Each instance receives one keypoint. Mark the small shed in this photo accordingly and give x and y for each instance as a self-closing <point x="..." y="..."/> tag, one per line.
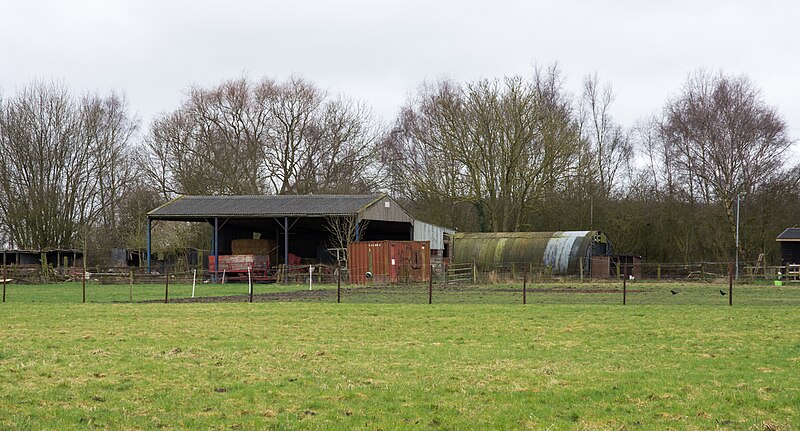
<point x="790" y="246"/>
<point x="617" y="266"/>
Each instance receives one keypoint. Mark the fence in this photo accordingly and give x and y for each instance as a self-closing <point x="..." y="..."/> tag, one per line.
<point x="659" y="284"/>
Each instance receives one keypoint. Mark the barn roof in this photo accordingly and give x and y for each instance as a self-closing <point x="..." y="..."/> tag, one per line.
<point x="790" y="234"/>
<point x="197" y="207"/>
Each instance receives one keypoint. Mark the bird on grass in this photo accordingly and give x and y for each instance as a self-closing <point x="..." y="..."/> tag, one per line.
<point x="722" y="292"/>
<point x="674" y="292"/>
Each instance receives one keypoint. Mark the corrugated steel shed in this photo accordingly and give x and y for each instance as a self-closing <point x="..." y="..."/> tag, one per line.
<point x="561" y="251"/>
<point x="430" y="232"/>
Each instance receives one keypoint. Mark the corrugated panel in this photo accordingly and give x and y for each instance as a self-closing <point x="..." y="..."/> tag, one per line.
<point x="430" y="232"/>
<point x="559" y="250"/>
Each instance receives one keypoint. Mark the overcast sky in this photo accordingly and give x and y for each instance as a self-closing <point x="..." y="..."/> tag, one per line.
<point x="380" y="51"/>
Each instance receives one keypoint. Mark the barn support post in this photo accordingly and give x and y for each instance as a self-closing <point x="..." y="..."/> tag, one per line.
<point x="216" y="249"/>
<point x="286" y="250"/>
<point x="149" y="242"/>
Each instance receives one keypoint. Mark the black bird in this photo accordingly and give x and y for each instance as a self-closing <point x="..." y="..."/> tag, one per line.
<point x="674" y="292"/>
<point x="722" y="292"/>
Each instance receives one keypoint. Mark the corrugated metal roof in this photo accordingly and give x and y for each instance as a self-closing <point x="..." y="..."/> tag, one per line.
<point x="263" y="206"/>
<point x="790" y="234"/>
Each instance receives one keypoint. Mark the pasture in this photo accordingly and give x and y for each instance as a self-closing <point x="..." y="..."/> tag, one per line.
<point x="566" y="360"/>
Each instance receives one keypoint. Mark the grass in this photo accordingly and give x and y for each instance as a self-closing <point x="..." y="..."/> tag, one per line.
<point x="290" y="365"/>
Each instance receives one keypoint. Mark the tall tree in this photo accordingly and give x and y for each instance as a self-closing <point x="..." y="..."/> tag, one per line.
<point x="500" y="146"/>
<point x="63" y="163"/>
<point x="721" y="139"/>
<point x="244" y="137"/>
<point x="610" y="146"/>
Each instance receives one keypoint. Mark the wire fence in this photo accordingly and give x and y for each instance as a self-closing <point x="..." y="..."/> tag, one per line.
<point x="708" y="283"/>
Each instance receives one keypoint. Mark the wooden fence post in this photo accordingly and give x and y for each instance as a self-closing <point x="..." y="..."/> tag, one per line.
<point x="730" y="284"/>
<point x="430" y="287"/>
<point x="166" y="285"/>
<point x="624" y="285"/>
<point x="524" y="288"/>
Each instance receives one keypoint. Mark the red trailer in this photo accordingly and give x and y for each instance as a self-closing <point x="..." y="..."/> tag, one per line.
<point x="235" y="266"/>
<point x="389" y="261"/>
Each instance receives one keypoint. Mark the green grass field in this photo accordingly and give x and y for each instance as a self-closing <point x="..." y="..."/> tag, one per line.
<point x="564" y="361"/>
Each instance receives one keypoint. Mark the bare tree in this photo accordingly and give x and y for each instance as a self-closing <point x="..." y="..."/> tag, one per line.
<point x="609" y="145"/>
<point x="213" y="144"/>
<point x="499" y="145"/>
<point x="344" y="230"/>
<point x="722" y="139"/>
<point x="63" y="163"/>
<point x="264" y="137"/>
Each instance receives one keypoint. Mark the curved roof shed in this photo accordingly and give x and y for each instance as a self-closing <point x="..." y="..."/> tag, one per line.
<point x="561" y="251"/>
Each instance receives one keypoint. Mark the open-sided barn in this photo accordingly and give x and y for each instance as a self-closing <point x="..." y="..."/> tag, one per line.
<point x="293" y="227"/>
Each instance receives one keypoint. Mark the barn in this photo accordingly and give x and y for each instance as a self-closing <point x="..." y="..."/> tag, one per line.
<point x="294" y="228"/>
<point x="562" y="253"/>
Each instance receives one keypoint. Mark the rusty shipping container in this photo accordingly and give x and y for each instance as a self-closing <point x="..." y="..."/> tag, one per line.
<point x="562" y="251"/>
<point x="389" y="261"/>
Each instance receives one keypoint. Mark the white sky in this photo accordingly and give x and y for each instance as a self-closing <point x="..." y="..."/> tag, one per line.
<point x="380" y="51"/>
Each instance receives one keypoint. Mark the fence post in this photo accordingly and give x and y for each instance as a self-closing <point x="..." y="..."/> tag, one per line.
<point x="658" y="272"/>
<point x="339" y="283"/>
<point x="474" y="272"/>
<point x="524" y="288"/>
<point x="250" y="283"/>
<point x="580" y="263"/>
<point x="624" y="285"/>
<point x="130" y="288"/>
<point x="430" y="287"/>
<point x="83" y="284"/>
<point x="5" y="276"/>
<point x="166" y="285"/>
<point x="730" y="284"/>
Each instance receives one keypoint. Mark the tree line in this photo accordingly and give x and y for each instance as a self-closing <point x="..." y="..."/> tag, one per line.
<point x="517" y="153"/>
